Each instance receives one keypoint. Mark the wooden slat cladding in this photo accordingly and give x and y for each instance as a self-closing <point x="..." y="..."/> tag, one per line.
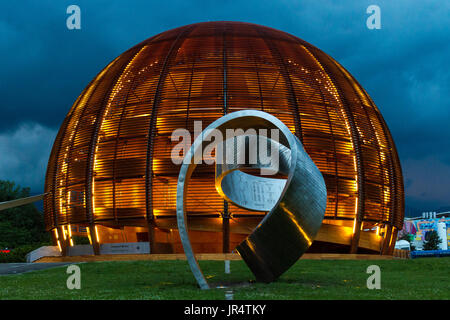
<point x="111" y="161"/>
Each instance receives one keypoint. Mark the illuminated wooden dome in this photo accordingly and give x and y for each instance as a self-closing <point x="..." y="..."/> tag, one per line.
<point x="110" y="170"/>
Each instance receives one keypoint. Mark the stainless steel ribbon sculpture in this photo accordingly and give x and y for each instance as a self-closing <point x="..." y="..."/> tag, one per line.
<point x="296" y="205"/>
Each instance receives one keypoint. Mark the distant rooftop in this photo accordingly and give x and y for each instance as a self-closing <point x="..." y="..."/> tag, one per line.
<point x="430" y="215"/>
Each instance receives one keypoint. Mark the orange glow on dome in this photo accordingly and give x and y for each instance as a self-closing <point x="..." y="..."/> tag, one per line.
<point x="113" y="148"/>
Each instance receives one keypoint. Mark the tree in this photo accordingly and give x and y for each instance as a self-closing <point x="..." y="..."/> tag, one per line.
<point x="408" y="237"/>
<point x="22" y="225"/>
<point x="432" y="240"/>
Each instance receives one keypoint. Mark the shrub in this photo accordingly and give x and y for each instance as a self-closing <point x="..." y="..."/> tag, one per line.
<point x="19" y="254"/>
<point x="80" y="240"/>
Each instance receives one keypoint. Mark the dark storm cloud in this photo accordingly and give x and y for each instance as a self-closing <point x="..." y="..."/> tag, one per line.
<point x="24" y="155"/>
<point x="45" y="65"/>
<point x="403" y="66"/>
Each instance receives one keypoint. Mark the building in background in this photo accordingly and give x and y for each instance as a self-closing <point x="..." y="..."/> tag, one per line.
<point x="110" y="169"/>
<point x="417" y="227"/>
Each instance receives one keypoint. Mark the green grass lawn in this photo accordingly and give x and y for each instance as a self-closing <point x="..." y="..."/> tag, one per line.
<point x="426" y="278"/>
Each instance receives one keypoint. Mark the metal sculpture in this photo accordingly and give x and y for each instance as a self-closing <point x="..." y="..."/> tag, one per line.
<point x="289" y="228"/>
